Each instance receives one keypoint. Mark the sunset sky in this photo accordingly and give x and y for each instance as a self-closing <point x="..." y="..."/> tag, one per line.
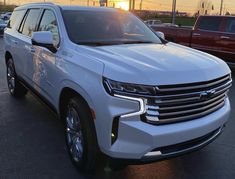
<point x="165" y="5"/>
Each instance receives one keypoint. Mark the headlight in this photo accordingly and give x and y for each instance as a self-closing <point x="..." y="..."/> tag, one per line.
<point x="114" y="87"/>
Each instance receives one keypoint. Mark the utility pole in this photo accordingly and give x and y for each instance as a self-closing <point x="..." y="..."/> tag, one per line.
<point x="133" y="4"/>
<point x="141" y="3"/>
<point x="130" y="5"/>
<point x="221" y="6"/>
<point x="173" y="11"/>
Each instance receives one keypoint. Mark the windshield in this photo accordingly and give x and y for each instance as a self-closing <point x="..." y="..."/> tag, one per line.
<point x="106" y="28"/>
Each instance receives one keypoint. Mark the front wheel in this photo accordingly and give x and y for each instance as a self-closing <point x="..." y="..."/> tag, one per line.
<point x="16" y="89"/>
<point x="80" y="135"/>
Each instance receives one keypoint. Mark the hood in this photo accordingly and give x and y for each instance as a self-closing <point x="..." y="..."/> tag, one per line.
<point x="158" y="64"/>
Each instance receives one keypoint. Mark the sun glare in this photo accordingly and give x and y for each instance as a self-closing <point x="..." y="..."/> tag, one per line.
<point x="122" y="5"/>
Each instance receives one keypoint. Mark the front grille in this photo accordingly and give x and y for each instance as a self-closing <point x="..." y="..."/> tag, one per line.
<point x="176" y="103"/>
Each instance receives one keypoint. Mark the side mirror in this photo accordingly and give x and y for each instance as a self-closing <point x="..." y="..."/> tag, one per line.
<point x="44" y="39"/>
<point x="160" y="34"/>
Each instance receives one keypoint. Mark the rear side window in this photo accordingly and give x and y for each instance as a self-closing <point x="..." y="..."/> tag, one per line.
<point x="16" y="17"/>
<point x="31" y="22"/>
<point x="210" y="23"/>
<point x="230" y="25"/>
<point x="49" y="23"/>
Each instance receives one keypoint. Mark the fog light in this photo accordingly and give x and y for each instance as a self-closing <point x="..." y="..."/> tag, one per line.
<point x="114" y="134"/>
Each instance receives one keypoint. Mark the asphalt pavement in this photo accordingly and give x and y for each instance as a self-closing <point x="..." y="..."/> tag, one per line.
<point x="32" y="145"/>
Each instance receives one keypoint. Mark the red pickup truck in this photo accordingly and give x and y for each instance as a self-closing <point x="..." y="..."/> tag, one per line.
<point x="212" y="34"/>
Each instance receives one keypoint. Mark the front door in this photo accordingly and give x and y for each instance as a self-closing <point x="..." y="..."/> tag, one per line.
<point x="206" y="36"/>
<point x="28" y="26"/>
<point x="227" y="41"/>
<point x="46" y="74"/>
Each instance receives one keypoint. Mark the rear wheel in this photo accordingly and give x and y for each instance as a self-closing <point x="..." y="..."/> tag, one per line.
<point x="80" y="135"/>
<point x="16" y="89"/>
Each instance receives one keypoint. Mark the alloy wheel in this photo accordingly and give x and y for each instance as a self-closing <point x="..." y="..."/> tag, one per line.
<point x="74" y="134"/>
<point x="11" y="78"/>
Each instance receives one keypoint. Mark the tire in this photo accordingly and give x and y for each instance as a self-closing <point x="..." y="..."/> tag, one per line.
<point x="16" y="89"/>
<point x="80" y="134"/>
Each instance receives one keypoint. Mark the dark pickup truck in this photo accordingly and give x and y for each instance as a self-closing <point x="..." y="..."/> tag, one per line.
<point x="212" y="34"/>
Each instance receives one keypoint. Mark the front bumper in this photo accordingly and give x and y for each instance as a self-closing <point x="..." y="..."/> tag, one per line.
<point x="182" y="148"/>
<point x="145" y="142"/>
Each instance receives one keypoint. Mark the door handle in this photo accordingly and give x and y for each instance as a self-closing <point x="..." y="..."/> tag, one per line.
<point x="41" y="69"/>
<point x="196" y="34"/>
<point x="14" y="42"/>
<point x="32" y="50"/>
<point x="224" y="37"/>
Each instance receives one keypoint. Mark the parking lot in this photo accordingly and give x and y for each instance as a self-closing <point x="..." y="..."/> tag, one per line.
<point x="32" y="145"/>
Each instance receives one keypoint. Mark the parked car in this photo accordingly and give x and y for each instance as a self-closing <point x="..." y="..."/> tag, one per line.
<point x="159" y="23"/>
<point x="2" y="26"/>
<point x="169" y="25"/>
<point x="120" y="89"/>
<point x="212" y="34"/>
<point x="6" y="21"/>
<point x="153" y="22"/>
<point x="6" y="16"/>
<point x="1" y="14"/>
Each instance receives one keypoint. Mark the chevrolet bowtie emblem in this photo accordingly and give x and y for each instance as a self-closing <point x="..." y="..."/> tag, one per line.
<point x="207" y="94"/>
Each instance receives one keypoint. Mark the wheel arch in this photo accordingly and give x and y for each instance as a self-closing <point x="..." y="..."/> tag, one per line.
<point x="7" y="56"/>
<point x="69" y="92"/>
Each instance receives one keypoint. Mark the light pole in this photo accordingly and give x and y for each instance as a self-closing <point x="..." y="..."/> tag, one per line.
<point x="173" y="11"/>
<point x="221" y="6"/>
<point x="141" y="3"/>
<point x="133" y="5"/>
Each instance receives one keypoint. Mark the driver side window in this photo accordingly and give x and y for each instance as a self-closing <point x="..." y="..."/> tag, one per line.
<point x="49" y="23"/>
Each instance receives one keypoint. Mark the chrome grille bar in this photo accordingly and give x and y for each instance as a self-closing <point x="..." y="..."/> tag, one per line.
<point x="227" y="77"/>
<point x="193" y="105"/>
<point x="189" y="102"/>
<point x="192" y="110"/>
<point x="183" y="118"/>
<point x="219" y="89"/>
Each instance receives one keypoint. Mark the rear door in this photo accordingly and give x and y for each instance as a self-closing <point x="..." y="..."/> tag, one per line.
<point x="11" y="40"/>
<point x="227" y="41"/>
<point x="207" y="33"/>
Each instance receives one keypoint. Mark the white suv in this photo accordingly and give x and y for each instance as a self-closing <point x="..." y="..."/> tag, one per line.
<point x="120" y="88"/>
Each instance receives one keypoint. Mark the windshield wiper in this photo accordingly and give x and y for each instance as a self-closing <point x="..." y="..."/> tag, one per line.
<point x="137" y="42"/>
<point x="102" y="43"/>
<point x="97" y="43"/>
